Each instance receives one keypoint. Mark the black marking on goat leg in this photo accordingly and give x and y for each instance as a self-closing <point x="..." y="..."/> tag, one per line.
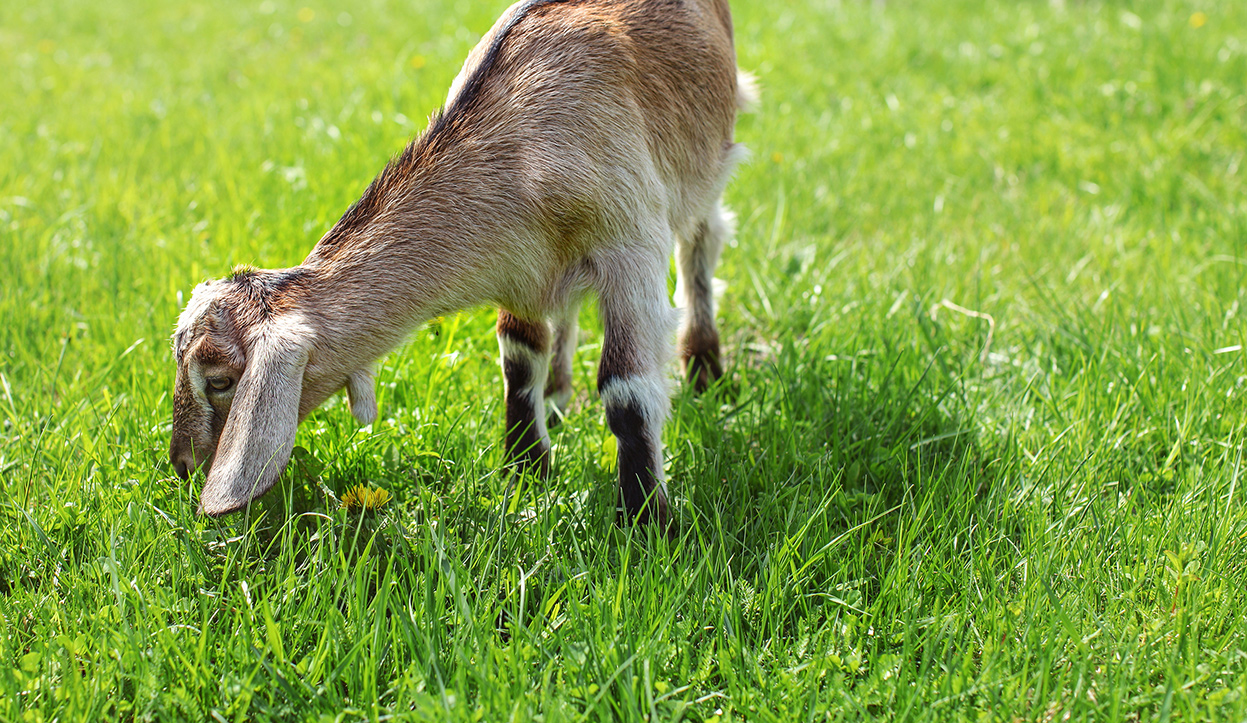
<point x="619" y="361"/>
<point x="640" y="495"/>
<point x="534" y="335"/>
<point x="524" y="445"/>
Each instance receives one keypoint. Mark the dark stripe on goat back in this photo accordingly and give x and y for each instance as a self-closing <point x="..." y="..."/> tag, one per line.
<point x="472" y="86"/>
<point x="401" y="166"/>
<point x="267" y="290"/>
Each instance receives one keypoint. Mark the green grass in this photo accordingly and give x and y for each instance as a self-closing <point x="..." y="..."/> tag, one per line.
<point x="893" y="509"/>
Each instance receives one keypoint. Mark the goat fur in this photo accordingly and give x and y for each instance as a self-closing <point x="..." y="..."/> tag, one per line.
<point x="582" y="140"/>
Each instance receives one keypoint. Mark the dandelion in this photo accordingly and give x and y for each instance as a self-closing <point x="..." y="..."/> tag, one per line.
<point x="306" y="15"/>
<point x="363" y="497"/>
<point x="1198" y="19"/>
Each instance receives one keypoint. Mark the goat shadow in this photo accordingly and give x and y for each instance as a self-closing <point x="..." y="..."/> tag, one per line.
<point x="839" y="440"/>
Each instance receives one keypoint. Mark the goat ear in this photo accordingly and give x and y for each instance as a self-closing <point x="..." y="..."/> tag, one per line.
<point x="363" y="395"/>
<point x="259" y="434"/>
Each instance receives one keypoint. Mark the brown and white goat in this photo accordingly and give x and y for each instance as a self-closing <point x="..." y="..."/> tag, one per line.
<point x="581" y="141"/>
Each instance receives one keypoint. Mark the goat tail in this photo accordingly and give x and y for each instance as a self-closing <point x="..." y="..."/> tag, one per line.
<point x="748" y="95"/>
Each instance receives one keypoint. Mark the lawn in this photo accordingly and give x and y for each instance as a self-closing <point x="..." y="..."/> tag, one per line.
<point x="978" y="455"/>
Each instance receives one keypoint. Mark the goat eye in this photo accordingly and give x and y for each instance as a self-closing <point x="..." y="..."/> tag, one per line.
<point x="219" y="384"/>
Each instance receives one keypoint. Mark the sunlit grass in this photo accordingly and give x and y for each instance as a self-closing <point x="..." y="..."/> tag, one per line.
<point x="978" y="457"/>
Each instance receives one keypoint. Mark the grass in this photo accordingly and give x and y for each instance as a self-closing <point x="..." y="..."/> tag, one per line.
<point x="978" y="457"/>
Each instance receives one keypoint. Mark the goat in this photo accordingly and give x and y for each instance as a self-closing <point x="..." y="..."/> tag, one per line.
<point x="580" y="142"/>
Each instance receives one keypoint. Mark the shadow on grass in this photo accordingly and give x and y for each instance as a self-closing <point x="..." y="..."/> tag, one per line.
<point x="818" y="477"/>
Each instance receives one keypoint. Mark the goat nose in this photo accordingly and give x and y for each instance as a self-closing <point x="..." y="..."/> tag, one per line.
<point x="182" y="469"/>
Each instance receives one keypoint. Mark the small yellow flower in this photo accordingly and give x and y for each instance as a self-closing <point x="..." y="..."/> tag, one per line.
<point x="365" y="497"/>
<point x="1198" y="19"/>
<point x="418" y="61"/>
<point x="306" y="15"/>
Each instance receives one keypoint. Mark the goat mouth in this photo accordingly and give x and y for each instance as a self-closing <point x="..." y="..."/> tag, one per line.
<point x="185" y="469"/>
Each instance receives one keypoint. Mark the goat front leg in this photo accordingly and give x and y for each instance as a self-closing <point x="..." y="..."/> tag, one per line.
<point x="559" y="383"/>
<point x="525" y="347"/>
<point x="639" y="325"/>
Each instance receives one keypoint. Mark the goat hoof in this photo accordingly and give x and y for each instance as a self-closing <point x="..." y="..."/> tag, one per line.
<point x="654" y="513"/>
<point x="536" y="463"/>
<point x="703" y="370"/>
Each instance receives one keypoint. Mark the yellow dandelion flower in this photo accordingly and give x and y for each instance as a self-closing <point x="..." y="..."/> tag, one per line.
<point x="418" y="61"/>
<point x="1198" y="19"/>
<point x="306" y="15"/>
<point x="363" y="497"/>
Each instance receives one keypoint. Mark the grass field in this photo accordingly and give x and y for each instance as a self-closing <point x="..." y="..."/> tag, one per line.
<point x="978" y="456"/>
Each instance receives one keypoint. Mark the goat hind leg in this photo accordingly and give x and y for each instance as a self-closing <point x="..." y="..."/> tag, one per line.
<point x="696" y="259"/>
